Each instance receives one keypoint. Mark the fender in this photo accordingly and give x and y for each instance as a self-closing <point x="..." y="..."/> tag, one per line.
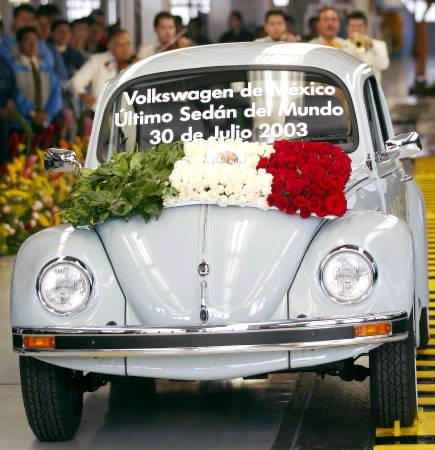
<point x="417" y="223"/>
<point x="107" y="303"/>
<point x="416" y="218"/>
<point x="387" y="238"/>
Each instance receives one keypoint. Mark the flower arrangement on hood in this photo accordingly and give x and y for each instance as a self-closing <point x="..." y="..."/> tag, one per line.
<point x="221" y="172"/>
<point x="292" y="176"/>
<point x="295" y="177"/>
<point x="308" y="177"/>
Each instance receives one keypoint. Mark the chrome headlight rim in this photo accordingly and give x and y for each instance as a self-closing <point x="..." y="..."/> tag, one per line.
<point x="65" y="260"/>
<point x="349" y="249"/>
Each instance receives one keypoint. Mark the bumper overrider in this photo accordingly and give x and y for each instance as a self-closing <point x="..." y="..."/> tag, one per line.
<point x="286" y="335"/>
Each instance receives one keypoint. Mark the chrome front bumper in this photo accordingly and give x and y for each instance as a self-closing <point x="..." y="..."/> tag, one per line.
<point x="237" y="338"/>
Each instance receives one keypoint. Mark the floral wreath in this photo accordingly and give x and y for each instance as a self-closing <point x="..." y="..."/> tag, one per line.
<point x="305" y="178"/>
<point x="295" y="177"/>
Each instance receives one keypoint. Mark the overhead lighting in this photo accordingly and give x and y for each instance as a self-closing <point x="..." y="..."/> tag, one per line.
<point x="280" y="3"/>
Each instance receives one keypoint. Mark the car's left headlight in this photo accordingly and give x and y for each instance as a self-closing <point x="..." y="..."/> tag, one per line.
<point x="64" y="285"/>
<point x="347" y="274"/>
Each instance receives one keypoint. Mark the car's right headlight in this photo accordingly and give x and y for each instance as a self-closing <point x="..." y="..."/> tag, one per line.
<point x="347" y="274"/>
<point x="64" y="285"/>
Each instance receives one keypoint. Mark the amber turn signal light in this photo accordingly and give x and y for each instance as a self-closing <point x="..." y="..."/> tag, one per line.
<point x="39" y="342"/>
<point x="373" y="329"/>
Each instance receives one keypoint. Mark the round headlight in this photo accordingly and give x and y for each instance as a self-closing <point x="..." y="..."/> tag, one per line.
<point x="64" y="286"/>
<point x="347" y="274"/>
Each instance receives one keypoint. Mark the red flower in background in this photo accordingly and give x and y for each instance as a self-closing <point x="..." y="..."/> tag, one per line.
<point x="308" y="177"/>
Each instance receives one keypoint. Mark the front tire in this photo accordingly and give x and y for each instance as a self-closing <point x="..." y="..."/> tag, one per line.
<point x="53" y="399"/>
<point x="393" y="388"/>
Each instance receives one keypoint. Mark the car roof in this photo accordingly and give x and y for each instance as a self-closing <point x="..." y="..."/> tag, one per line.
<point x="323" y="57"/>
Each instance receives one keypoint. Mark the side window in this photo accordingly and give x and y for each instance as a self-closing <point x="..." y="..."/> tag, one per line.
<point x="379" y="109"/>
<point x="378" y="128"/>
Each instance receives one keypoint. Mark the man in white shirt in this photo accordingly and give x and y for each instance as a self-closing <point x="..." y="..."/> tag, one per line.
<point x="166" y="33"/>
<point x="101" y="67"/>
<point x="328" y="27"/>
<point x="275" y="27"/>
<point x="372" y="51"/>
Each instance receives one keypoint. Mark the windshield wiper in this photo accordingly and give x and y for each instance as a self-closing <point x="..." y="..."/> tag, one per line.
<point x="123" y="142"/>
<point x="330" y="137"/>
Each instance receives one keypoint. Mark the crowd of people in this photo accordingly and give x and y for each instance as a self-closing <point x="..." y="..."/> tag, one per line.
<point x="52" y="70"/>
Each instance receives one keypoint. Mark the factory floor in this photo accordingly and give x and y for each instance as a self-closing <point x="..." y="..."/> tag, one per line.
<point x="286" y="411"/>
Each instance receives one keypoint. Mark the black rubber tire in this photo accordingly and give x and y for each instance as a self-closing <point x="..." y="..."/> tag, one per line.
<point x="53" y="399"/>
<point x="393" y="388"/>
<point x="424" y="328"/>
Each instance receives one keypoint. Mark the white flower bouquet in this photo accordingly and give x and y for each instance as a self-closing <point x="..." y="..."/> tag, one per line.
<point x="221" y="172"/>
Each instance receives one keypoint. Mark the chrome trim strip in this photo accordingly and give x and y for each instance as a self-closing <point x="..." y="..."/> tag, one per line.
<point x="300" y="324"/>
<point x="388" y="165"/>
<point x="212" y="350"/>
<point x="215" y="330"/>
<point x="407" y="177"/>
<point x="351" y="190"/>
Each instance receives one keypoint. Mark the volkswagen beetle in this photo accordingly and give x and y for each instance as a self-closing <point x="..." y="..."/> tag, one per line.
<point x="206" y="292"/>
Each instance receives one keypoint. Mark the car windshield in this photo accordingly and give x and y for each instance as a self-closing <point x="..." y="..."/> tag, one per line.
<point x="253" y="105"/>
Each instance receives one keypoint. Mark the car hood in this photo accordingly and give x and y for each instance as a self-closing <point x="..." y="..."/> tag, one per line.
<point x="252" y="257"/>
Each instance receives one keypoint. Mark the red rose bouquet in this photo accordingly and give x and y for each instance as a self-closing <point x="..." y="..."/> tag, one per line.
<point x="308" y="177"/>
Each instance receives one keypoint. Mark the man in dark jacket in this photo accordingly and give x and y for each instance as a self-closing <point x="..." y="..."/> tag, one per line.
<point x="7" y="93"/>
<point x="236" y="32"/>
<point x="61" y="35"/>
<point x="38" y="95"/>
<point x="24" y="15"/>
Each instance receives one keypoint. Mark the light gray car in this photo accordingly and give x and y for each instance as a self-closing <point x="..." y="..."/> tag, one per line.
<point x="209" y="293"/>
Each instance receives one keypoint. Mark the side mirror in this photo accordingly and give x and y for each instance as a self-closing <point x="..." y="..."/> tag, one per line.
<point x="60" y="160"/>
<point x="408" y="144"/>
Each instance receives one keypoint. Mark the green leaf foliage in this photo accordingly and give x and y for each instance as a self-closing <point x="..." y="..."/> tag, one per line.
<point x="126" y="185"/>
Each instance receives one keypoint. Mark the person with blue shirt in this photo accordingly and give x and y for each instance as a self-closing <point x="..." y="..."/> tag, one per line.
<point x="45" y="17"/>
<point x="61" y="37"/>
<point x="38" y="97"/>
<point x="71" y="60"/>
<point x="23" y="16"/>
<point x="7" y="94"/>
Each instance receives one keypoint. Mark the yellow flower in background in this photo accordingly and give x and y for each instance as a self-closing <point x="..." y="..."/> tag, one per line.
<point x="16" y="193"/>
<point x="57" y="219"/>
<point x="27" y="190"/>
<point x="43" y="221"/>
